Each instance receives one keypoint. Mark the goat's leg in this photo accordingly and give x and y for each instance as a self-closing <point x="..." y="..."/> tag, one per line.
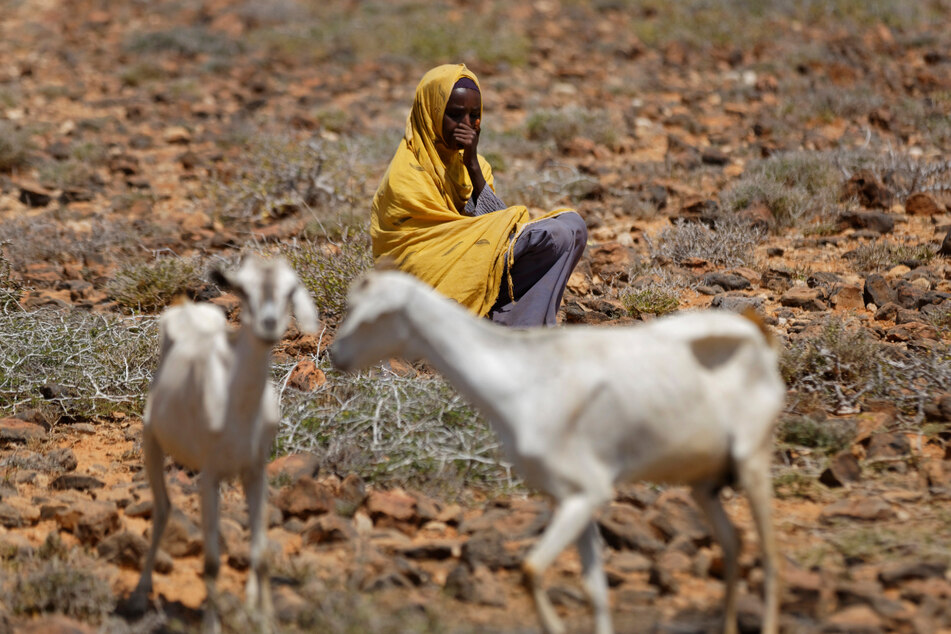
<point x="755" y="479"/>
<point x="708" y="498"/>
<point x="154" y="467"/>
<point x="258" y="589"/>
<point x="209" y="525"/>
<point x="595" y="581"/>
<point x="571" y="518"/>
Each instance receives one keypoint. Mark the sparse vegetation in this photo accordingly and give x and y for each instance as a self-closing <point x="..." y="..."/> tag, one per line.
<point x="74" y="365"/>
<point x="58" y="581"/>
<point x="882" y="255"/>
<point x="327" y="267"/>
<point x="729" y="243"/>
<point x="16" y="146"/>
<point x="386" y="428"/>
<point x="799" y="189"/>
<point x="653" y="299"/>
<point x="560" y="126"/>
<point x="151" y="286"/>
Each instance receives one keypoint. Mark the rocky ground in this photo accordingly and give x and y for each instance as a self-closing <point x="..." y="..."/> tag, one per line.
<point x="721" y="156"/>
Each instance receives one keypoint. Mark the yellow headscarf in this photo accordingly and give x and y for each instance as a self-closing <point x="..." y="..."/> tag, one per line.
<point x="416" y="219"/>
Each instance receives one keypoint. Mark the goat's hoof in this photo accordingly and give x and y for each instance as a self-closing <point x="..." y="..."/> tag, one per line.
<point x="133" y="606"/>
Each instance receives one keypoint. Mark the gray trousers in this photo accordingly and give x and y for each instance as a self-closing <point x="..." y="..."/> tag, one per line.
<point x="546" y="253"/>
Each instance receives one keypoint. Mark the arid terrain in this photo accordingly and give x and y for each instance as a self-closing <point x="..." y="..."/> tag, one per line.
<point x="786" y="156"/>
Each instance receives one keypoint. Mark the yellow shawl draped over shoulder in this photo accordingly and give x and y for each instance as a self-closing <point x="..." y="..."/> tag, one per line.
<point x="416" y="219"/>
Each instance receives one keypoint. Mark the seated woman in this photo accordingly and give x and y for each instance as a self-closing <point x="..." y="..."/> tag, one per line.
<point x="437" y="215"/>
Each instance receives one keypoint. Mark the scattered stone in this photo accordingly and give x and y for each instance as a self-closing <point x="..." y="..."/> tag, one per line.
<point x="675" y="514"/>
<point x="894" y="573"/>
<point x="304" y="498"/>
<point x="726" y="281"/>
<point x="863" y="509"/>
<point x="294" y="466"/>
<point x="182" y="536"/>
<point x="89" y="521"/>
<point x="177" y="135"/>
<point x="803" y="297"/>
<point x="736" y="303"/>
<point x="55" y="624"/>
<point x="922" y="204"/>
<point x="625" y="528"/>
<point x="123" y="549"/>
<point x="395" y="503"/>
<point x="870" y="192"/>
<point x="848" y="297"/>
<point x="306" y="376"/>
<point x="15" y="430"/>
<point x="76" y="482"/>
<point x="855" y="619"/>
<point x="843" y="469"/>
<point x="877" y="290"/>
<point x="875" y="221"/>
<point x="487" y="548"/>
<point x="328" y="529"/>
<point x="478" y="586"/>
<point x="888" y="445"/>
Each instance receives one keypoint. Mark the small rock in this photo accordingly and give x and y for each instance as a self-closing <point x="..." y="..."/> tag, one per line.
<point x="328" y="529"/>
<point x="123" y="549"/>
<point x="888" y="445"/>
<point x="294" y="466"/>
<point x="487" y="548"/>
<point x="894" y="573"/>
<point x="395" y="504"/>
<point x="865" y="509"/>
<point x="726" y="281"/>
<point x="89" y="521"/>
<point x="55" y="624"/>
<point x="849" y="297"/>
<point x="922" y="204"/>
<point x="478" y="586"/>
<point x="843" y="469"/>
<point x="305" y="497"/>
<point x="76" y="482"/>
<point x="306" y="376"/>
<point x="803" y="297"/>
<point x="625" y="528"/>
<point x="14" y="430"/>
<point x="856" y="619"/>
<point x="176" y="134"/>
<point x="877" y="290"/>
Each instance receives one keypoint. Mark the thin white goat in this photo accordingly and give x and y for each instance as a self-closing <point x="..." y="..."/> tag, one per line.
<point x="690" y="399"/>
<point x="212" y="409"/>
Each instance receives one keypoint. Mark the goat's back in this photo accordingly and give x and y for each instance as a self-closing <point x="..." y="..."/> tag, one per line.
<point x="188" y="394"/>
<point x="673" y="400"/>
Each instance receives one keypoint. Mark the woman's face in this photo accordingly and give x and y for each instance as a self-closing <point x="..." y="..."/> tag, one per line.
<point x="463" y="108"/>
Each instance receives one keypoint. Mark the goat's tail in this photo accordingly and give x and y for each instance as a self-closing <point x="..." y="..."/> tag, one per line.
<point x="754" y="316"/>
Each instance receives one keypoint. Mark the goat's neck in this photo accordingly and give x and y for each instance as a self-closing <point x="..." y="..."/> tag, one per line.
<point x="474" y="356"/>
<point x="250" y="368"/>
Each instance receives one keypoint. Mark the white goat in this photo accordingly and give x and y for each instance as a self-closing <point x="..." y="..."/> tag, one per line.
<point x="689" y="399"/>
<point x="212" y="409"/>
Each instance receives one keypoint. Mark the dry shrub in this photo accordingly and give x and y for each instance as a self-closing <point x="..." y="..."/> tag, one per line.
<point x="151" y="286"/>
<point x="730" y="242"/>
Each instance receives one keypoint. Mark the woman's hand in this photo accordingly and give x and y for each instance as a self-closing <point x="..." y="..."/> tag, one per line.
<point x="467" y="139"/>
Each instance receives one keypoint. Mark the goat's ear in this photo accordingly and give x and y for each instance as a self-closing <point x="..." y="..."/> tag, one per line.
<point x="304" y="310"/>
<point x="386" y="263"/>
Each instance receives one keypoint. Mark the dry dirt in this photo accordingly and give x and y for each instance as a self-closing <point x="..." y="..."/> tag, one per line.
<point x="688" y="119"/>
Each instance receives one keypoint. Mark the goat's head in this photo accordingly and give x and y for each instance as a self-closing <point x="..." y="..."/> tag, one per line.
<point x="269" y="291"/>
<point x="375" y="326"/>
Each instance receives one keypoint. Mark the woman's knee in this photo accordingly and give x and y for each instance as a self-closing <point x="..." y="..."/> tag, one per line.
<point x="568" y="232"/>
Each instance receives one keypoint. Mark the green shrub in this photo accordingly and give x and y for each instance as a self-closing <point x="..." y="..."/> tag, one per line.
<point x="152" y="286"/>
<point x="826" y="435"/>
<point x="653" y="299"/>
<point x="187" y="41"/>
<point x="327" y="267"/>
